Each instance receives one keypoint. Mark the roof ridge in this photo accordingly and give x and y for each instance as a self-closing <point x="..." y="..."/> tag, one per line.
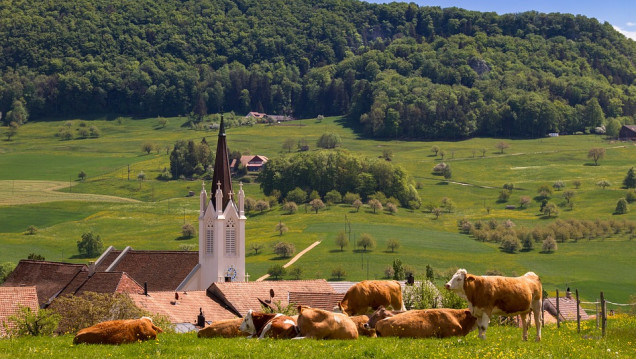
<point x="51" y="262"/>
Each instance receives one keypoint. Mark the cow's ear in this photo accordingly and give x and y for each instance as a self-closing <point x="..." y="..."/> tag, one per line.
<point x="300" y="309"/>
<point x="470" y="278"/>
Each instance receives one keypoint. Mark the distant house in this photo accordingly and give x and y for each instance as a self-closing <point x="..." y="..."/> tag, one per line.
<point x="256" y="115"/>
<point x="279" y="118"/>
<point x="253" y="163"/>
<point x="627" y="133"/>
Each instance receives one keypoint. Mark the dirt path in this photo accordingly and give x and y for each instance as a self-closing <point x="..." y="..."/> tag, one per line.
<point x="27" y="191"/>
<point x="293" y="260"/>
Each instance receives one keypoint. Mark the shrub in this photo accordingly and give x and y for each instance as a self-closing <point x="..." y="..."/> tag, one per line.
<point x="392" y="208"/>
<point x="290" y="207"/>
<point x="339" y="272"/>
<point x="621" y="206"/>
<point x="284" y="249"/>
<point x="333" y="196"/>
<point x="295" y="273"/>
<point x="349" y="197"/>
<point x="388" y="272"/>
<point x="630" y="196"/>
<point x="328" y="140"/>
<point x="187" y="230"/>
<point x="549" y="245"/>
<point x="31" y="230"/>
<point x="510" y="244"/>
<point x="297" y="195"/>
<point x="261" y="205"/>
<point x="186" y="247"/>
<point x="421" y="295"/>
<point x="26" y="322"/>
<point x="276" y="271"/>
<point x="439" y="169"/>
<point x="504" y="195"/>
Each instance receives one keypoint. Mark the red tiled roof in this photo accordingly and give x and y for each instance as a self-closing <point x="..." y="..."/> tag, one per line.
<point x="11" y="299"/>
<point x="108" y="260"/>
<point x="48" y="277"/>
<point x="243" y="296"/>
<point x="567" y="308"/>
<point x="342" y="286"/>
<point x="187" y="308"/>
<point x="326" y="301"/>
<point x="162" y="270"/>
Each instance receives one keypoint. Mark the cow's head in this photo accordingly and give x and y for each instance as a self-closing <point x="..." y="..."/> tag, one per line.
<point x="379" y="314"/>
<point x="247" y="326"/>
<point x="456" y="283"/>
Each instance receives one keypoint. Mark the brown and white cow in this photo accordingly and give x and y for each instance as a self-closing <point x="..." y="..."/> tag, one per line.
<point x="118" y="332"/>
<point x="269" y="325"/>
<point x="425" y="323"/>
<point x="496" y="295"/>
<point x="228" y="328"/>
<point x="360" y="321"/>
<point x="372" y="293"/>
<point x="321" y="324"/>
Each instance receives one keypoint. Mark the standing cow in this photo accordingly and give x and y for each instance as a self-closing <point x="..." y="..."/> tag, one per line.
<point x="118" y="332"/>
<point x="424" y="323"/>
<point x="488" y="295"/>
<point x="372" y="293"/>
<point x="321" y="324"/>
<point x="269" y="325"/>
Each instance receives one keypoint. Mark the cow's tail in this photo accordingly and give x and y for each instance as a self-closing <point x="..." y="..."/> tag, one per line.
<point x="403" y="308"/>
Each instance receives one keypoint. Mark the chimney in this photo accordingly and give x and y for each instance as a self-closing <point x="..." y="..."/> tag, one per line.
<point x="91" y="268"/>
<point x="200" y="319"/>
<point x="568" y="294"/>
<point x="146" y="289"/>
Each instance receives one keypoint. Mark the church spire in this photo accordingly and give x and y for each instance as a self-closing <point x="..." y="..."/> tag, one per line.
<point x="222" y="169"/>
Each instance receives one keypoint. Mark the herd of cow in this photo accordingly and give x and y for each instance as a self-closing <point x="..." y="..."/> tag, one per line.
<point x="486" y="296"/>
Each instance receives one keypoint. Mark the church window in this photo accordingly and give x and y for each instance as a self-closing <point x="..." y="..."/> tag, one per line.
<point x="209" y="240"/>
<point x="230" y="238"/>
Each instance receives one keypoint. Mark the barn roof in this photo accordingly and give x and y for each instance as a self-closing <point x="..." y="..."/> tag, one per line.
<point x="320" y="300"/>
<point x="243" y="296"/>
<point x="567" y="308"/>
<point x="48" y="277"/>
<point x="11" y="299"/>
<point x="186" y="308"/>
<point x="102" y="282"/>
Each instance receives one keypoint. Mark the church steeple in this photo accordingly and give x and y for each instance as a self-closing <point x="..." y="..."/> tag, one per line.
<point x="221" y="170"/>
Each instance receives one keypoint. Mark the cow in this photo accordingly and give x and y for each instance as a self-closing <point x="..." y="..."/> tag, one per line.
<point x="321" y="324"/>
<point x="424" y="323"/>
<point x="371" y="293"/>
<point x="269" y="325"/>
<point x="488" y="295"/>
<point x="228" y="328"/>
<point x="118" y="332"/>
<point x="360" y="321"/>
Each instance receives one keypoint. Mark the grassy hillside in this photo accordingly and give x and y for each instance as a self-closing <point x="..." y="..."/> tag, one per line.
<point x="163" y="207"/>
<point x="501" y="342"/>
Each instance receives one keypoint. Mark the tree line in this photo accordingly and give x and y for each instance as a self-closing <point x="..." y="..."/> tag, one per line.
<point x="395" y="70"/>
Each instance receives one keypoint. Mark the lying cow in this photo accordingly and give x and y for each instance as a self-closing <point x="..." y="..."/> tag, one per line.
<point x="118" y="332"/>
<point x="228" y="328"/>
<point x="488" y="295"/>
<point x="425" y="323"/>
<point x="269" y="325"/>
<point x="372" y="293"/>
<point x="360" y="321"/>
<point x="321" y="324"/>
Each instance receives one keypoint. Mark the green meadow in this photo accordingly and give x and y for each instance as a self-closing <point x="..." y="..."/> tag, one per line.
<point x="39" y="186"/>
<point x="501" y="342"/>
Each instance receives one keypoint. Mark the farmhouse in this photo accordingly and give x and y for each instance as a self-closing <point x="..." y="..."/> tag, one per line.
<point x="251" y="163"/>
<point x="627" y="133"/>
<point x="11" y="299"/>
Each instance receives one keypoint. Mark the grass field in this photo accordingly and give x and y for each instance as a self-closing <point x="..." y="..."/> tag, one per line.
<point x="501" y="342"/>
<point x="36" y="160"/>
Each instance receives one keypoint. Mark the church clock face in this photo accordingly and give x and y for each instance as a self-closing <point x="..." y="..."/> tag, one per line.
<point x="231" y="272"/>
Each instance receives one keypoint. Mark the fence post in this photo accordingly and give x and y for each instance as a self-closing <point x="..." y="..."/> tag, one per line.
<point x="578" y="315"/>
<point x="603" y="314"/>
<point x="597" y="312"/>
<point x="557" y="309"/>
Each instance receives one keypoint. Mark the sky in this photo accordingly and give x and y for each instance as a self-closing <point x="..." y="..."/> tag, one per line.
<point x="620" y="13"/>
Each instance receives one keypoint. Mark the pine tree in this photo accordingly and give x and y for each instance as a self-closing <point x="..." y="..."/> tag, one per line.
<point x="630" y="179"/>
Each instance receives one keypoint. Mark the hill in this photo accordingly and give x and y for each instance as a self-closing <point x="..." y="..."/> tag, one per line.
<point x="396" y="70"/>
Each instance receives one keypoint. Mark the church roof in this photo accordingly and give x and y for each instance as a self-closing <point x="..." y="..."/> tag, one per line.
<point x="48" y="277"/>
<point x="11" y="299"/>
<point x="186" y="308"/>
<point x="221" y="170"/>
<point x="243" y="296"/>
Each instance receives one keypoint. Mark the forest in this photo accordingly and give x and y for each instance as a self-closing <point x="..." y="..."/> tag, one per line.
<point x="393" y="70"/>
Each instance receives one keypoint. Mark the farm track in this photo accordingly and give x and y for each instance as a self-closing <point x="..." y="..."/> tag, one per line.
<point x="293" y="260"/>
<point x="29" y="192"/>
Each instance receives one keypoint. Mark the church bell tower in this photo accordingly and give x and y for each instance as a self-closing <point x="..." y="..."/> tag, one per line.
<point x="221" y="224"/>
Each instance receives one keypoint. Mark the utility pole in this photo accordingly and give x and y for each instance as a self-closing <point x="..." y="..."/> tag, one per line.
<point x="129" y="171"/>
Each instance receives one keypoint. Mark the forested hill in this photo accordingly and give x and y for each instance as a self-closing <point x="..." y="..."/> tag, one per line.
<point x="400" y="70"/>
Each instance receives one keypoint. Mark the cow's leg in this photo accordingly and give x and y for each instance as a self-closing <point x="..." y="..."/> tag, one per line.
<point x="536" y="310"/>
<point x="524" y="325"/>
<point x="266" y="329"/>
<point x="482" y="324"/>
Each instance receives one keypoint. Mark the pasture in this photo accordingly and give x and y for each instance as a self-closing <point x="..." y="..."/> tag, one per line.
<point x="149" y="214"/>
<point x="502" y="342"/>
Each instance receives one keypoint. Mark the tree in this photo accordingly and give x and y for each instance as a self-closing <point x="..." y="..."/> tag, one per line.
<point x="549" y="245"/>
<point x="576" y="184"/>
<point x="341" y="240"/>
<point x="510" y="244"/>
<point x="392" y="208"/>
<point x="483" y="152"/>
<point x="504" y="195"/>
<point x="387" y="154"/>
<point x="393" y="244"/>
<point x="509" y="186"/>
<point x="82" y="176"/>
<point x="316" y="204"/>
<point x="339" y="272"/>
<point x="284" y="249"/>
<point x="596" y="154"/>
<point x="319" y="118"/>
<point x="90" y="246"/>
<point x="281" y="228"/>
<point x="502" y="146"/>
<point x="398" y="269"/>
<point x="26" y="322"/>
<point x="333" y="196"/>
<point x="261" y="205"/>
<point x="289" y="144"/>
<point x="296" y="273"/>
<point x="5" y="269"/>
<point x="630" y="179"/>
<point x="31" y="230"/>
<point x="388" y="272"/>
<point x="36" y="257"/>
<point x="290" y="207"/>
<point x="187" y="230"/>
<point x="550" y="210"/>
<point x="366" y="241"/>
<point x="350" y="197"/>
<point x="11" y="131"/>
<point x="147" y="147"/>
<point x="18" y="113"/>
<point x="297" y="195"/>
<point x="435" y="150"/>
<point x="357" y="204"/>
<point x="329" y="140"/>
<point x="621" y="206"/>
<point x="140" y="177"/>
<point x="544" y="191"/>
<point x="437" y="212"/>
<point x="524" y="201"/>
<point x="375" y="205"/>
<point x="162" y="122"/>
<point x="612" y="128"/>
<point x="442" y="154"/>
<point x="603" y="183"/>
<point x="256" y="247"/>
<point x="568" y="195"/>
<point x="630" y="196"/>
<point x="276" y="271"/>
<point x="430" y="274"/>
<point x="558" y="185"/>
